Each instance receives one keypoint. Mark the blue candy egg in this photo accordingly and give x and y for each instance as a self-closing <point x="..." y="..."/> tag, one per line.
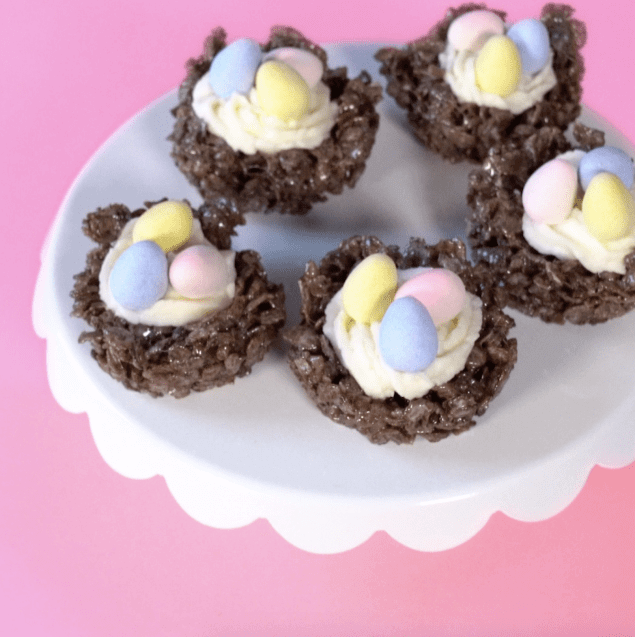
<point x="139" y="277"/>
<point x="234" y="68"/>
<point x="606" y="159"/>
<point x="532" y="41"/>
<point x="408" y="340"/>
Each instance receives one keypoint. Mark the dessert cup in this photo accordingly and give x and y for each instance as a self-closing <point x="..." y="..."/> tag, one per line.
<point x="167" y="360"/>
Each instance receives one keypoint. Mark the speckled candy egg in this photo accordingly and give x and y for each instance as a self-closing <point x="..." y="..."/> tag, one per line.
<point x="370" y="288"/>
<point x="168" y="224"/>
<point x="471" y="30"/>
<point x="606" y="159"/>
<point x="441" y="291"/>
<point x="408" y="340"/>
<point x="139" y="277"/>
<point x="532" y="40"/>
<point x="199" y="272"/>
<point x="498" y="68"/>
<point x="309" y="66"/>
<point x="608" y="208"/>
<point x="281" y="91"/>
<point x="549" y="193"/>
<point x="233" y="68"/>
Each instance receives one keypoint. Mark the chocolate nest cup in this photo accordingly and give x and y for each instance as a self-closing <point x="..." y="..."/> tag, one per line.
<point x="538" y="285"/>
<point x="209" y="352"/>
<point x="445" y="409"/>
<point x="289" y="181"/>
<point x="460" y="130"/>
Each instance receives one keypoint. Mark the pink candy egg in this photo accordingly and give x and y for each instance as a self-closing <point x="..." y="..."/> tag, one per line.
<point x="309" y="66"/>
<point x="198" y="272"/>
<point x="441" y="291"/>
<point x="549" y="194"/>
<point x="471" y="30"/>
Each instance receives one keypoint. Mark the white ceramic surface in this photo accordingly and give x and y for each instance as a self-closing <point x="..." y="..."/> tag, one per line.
<point x="259" y="449"/>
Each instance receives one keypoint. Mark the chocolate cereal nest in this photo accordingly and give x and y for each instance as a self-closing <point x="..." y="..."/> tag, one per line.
<point x="459" y="131"/>
<point x="448" y="408"/>
<point x="206" y="353"/>
<point x="289" y="181"/>
<point x="538" y="285"/>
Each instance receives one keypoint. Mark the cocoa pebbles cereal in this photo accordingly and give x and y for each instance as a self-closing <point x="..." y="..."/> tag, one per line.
<point x="338" y="285"/>
<point x="475" y="81"/>
<point x="203" y="315"/>
<point x="576" y="272"/>
<point x="271" y="127"/>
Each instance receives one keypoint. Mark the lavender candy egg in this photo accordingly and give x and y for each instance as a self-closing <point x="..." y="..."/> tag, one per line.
<point x="234" y="68"/>
<point x="309" y="66"/>
<point x="408" y="340"/>
<point x="199" y="272"/>
<point x="139" y="277"/>
<point x="532" y="41"/>
<point x="606" y="159"/>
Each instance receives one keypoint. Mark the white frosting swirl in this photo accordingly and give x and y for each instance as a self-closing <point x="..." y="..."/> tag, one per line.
<point x="570" y="239"/>
<point x="460" y="75"/>
<point x="172" y="309"/>
<point x="357" y="346"/>
<point x="241" y="122"/>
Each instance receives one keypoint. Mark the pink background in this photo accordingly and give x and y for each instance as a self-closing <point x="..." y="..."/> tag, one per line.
<point x="84" y="551"/>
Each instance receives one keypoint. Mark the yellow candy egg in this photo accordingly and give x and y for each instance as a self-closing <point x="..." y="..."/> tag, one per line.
<point x="282" y="91"/>
<point x="608" y="208"/>
<point x="370" y="288"/>
<point x="498" y="68"/>
<point x="168" y="223"/>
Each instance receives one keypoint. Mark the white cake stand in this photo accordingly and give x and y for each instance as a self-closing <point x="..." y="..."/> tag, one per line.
<point x="260" y="449"/>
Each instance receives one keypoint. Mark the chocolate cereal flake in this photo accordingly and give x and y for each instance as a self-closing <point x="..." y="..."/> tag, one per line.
<point x="445" y="409"/>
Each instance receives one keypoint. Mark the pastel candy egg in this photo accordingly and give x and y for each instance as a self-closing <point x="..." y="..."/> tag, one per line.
<point x="408" y="340"/>
<point x="370" y="288"/>
<point x="497" y="68"/>
<point x="471" y="30"/>
<point x="199" y="271"/>
<point x="532" y="40"/>
<point x="168" y="223"/>
<point x="608" y="208"/>
<point x="549" y="193"/>
<point x="441" y="292"/>
<point x="233" y="68"/>
<point x="606" y="159"/>
<point x="139" y="277"/>
<point x="309" y="66"/>
<point x="282" y="91"/>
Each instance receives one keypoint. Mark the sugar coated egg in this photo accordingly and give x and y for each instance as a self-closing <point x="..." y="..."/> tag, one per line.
<point x="309" y="66"/>
<point x="168" y="223"/>
<point x="139" y="277"/>
<point x="370" y="288"/>
<point x="497" y="67"/>
<point x="608" y="208"/>
<point x="549" y="194"/>
<point x="233" y="69"/>
<point x="282" y="91"/>
<point x="471" y="30"/>
<point x="532" y="40"/>
<point x="408" y="340"/>
<point x="606" y="159"/>
<point x="199" y="272"/>
<point x="441" y="291"/>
